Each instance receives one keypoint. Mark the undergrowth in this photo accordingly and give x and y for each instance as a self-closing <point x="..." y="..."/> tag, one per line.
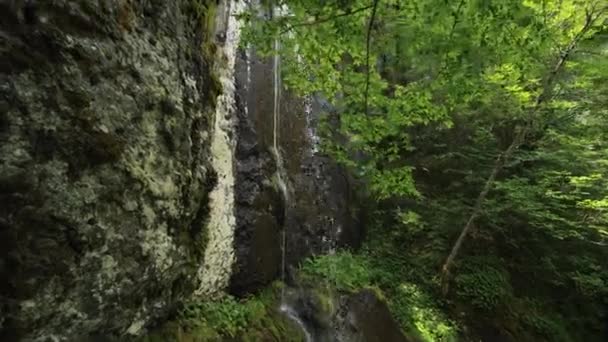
<point x="230" y="319"/>
<point x="228" y="316"/>
<point x="416" y="311"/>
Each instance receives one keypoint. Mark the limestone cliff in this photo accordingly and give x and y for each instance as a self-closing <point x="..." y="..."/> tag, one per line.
<point x="106" y="110"/>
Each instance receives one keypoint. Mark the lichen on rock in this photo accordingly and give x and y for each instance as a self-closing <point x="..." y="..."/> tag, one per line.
<point x="105" y="165"/>
<point x="216" y="269"/>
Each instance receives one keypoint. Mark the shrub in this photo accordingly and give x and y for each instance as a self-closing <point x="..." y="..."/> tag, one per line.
<point x="346" y="271"/>
<point x="227" y="316"/>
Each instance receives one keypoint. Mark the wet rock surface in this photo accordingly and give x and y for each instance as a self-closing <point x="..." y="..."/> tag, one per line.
<point x="321" y="213"/>
<point x="339" y="317"/>
<point x="365" y="318"/>
<point x="259" y="205"/>
<point x="105" y="108"/>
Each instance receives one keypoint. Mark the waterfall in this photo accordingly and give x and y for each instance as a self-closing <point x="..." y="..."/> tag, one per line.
<point x="280" y="173"/>
<point x="293" y="315"/>
<point x="248" y="69"/>
<point x="276" y="69"/>
<point x="310" y="123"/>
<point x="285" y="307"/>
<point x="219" y="256"/>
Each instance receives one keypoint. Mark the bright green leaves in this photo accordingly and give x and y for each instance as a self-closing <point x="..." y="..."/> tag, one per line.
<point x="510" y="78"/>
<point x="345" y="271"/>
<point x="451" y="83"/>
<point x="428" y="60"/>
<point x="563" y="203"/>
<point x="393" y="182"/>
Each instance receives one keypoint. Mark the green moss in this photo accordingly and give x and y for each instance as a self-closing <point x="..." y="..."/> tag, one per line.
<point x="215" y="89"/>
<point x="324" y="296"/>
<point x="87" y="144"/>
<point x="204" y="13"/>
<point x="173" y="331"/>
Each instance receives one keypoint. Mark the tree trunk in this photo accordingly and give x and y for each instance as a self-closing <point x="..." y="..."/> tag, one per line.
<point x="592" y="15"/>
<point x="498" y="164"/>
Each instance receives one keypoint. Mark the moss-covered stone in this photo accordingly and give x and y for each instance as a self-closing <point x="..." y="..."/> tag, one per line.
<point x="104" y="176"/>
<point x="204" y="13"/>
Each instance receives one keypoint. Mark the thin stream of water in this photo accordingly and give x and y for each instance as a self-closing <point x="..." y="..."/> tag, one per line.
<point x="276" y="69"/>
<point x="293" y="315"/>
<point x="285" y="307"/>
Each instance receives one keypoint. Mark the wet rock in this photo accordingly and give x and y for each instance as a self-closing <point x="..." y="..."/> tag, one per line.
<point x="322" y="212"/>
<point x="331" y="316"/>
<point x="367" y="319"/>
<point x="259" y="209"/>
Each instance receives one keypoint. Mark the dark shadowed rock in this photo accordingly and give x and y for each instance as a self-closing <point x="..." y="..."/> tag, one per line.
<point x="368" y="319"/>
<point x="330" y="316"/>
<point x="321" y="213"/>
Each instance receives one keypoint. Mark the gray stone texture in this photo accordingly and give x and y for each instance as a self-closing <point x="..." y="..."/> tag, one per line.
<point x="105" y="108"/>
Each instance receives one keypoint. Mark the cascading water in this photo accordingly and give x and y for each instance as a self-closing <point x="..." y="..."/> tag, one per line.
<point x="311" y="132"/>
<point x="293" y="315"/>
<point x="276" y="69"/>
<point x="285" y="307"/>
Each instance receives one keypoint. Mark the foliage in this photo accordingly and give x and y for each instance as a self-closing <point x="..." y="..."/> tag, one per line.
<point x="483" y="285"/>
<point x="250" y="319"/>
<point x="430" y="59"/>
<point x="451" y="86"/>
<point x="345" y="271"/>
<point x="416" y="310"/>
<point x="229" y="317"/>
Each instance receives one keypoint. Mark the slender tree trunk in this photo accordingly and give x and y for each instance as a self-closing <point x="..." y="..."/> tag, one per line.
<point x="370" y="27"/>
<point x="592" y="14"/>
<point x="498" y="165"/>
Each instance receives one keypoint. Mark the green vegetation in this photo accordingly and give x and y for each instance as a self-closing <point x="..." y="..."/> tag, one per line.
<point x="247" y="320"/>
<point x="344" y="271"/>
<point x="417" y="312"/>
<point x="204" y="14"/>
<point x="480" y="128"/>
<point x="228" y="317"/>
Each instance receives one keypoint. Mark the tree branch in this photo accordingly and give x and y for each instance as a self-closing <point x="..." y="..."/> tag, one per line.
<point x="324" y="20"/>
<point x="451" y="37"/>
<point x="367" y="68"/>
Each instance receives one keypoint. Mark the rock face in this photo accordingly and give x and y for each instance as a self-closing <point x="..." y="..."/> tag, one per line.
<point x="219" y="253"/>
<point x="341" y="317"/>
<point x="321" y="211"/>
<point x="129" y="183"/>
<point x="367" y="319"/>
<point x="105" y="116"/>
